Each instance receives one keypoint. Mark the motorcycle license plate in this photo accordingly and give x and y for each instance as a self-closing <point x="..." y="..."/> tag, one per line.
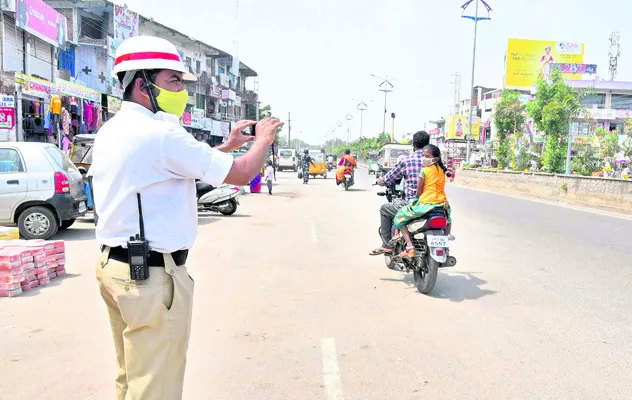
<point x="438" y="241"/>
<point x="83" y="207"/>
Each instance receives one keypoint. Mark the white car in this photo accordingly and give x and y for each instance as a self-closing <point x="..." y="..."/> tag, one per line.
<point x="41" y="190"/>
<point x="287" y="160"/>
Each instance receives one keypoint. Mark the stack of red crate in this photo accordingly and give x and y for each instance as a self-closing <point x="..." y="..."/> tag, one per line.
<point x="25" y="265"/>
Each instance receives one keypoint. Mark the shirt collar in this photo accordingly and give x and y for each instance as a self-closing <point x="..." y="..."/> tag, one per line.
<point x="130" y="106"/>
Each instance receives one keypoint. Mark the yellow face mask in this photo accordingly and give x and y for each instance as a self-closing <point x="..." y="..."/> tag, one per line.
<point x="172" y="102"/>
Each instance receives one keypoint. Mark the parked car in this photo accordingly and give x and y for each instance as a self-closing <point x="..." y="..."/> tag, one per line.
<point x="41" y="190"/>
<point x="287" y="160"/>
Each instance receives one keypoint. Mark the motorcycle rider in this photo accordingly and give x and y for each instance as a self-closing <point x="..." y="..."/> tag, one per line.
<point x="409" y="169"/>
<point x="347" y="163"/>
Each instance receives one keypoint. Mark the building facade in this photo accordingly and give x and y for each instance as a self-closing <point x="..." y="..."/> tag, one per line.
<point x="74" y="62"/>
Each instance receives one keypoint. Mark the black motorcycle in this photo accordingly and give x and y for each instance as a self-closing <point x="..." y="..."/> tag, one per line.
<point x="431" y="242"/>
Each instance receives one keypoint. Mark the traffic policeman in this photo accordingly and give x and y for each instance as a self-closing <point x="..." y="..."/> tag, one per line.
<point x="144" y="160"/>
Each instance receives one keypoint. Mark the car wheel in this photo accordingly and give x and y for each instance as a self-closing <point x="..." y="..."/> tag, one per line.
<point x="66" y="224"/>
<point x="38" y="223"/>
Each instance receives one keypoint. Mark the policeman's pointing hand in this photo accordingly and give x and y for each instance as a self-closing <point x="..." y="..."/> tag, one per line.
<point x="267" y="129"/>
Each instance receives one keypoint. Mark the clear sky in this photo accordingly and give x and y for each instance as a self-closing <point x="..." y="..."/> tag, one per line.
<point x="314" y="57"/>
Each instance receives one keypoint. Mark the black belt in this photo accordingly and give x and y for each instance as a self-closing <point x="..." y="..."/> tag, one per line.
<point x="155" y="259"/>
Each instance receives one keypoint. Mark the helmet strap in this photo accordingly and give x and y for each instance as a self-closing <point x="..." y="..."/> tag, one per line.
<point x="148" y="84"/>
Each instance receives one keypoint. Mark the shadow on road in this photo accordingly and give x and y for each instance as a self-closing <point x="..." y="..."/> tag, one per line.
<point x="76" y="235"/>
<point x="456" y="287"/>
<point x="460" y="286"/>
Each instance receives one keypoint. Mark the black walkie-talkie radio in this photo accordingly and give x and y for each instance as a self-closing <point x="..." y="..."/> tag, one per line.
<point x="138" y="250"/>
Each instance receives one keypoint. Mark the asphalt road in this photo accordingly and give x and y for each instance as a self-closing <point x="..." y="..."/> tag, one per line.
<point x="289" y="305"/>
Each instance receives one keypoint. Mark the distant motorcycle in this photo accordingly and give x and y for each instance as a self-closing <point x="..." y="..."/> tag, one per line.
<point x="221" y="199"/>
<point x="431" y="245"/>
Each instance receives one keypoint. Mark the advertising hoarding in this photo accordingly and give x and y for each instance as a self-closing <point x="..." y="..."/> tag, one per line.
<point x="458" y="127"/>
<point x="41" y="20"/>
<point x="529" y="59"/>
<point x="125" y="23"/>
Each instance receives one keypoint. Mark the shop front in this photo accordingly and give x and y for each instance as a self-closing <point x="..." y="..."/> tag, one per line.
<point x="32" y="102"/>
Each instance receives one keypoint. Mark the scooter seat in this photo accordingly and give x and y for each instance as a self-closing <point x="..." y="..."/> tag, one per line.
<point x="203" y="188"/>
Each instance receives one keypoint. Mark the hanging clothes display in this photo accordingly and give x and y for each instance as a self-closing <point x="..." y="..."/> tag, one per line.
<point x="74" y="106"/>
<point x="65" y="122"/>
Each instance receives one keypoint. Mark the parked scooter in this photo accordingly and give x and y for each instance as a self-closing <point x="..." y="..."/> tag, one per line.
<point x="221" y="199"/>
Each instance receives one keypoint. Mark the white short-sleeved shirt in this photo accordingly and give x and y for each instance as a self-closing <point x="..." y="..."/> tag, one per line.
<point x="138" y="151"/>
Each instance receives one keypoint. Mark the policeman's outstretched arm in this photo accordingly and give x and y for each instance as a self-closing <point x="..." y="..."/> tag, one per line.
<point x="236" y="139"/>
<point x="249" y="165"/>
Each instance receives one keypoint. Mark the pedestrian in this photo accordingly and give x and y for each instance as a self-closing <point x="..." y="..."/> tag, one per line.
<point x="149" y="303"/>
<point x="307" y="161"/>
<point x="270" y="176"/>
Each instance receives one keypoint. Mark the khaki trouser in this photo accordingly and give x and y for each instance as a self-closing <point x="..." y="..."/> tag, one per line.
<point x="151" y="323"/>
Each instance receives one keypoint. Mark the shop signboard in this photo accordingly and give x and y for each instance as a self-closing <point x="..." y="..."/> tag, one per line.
<point x="197" y="112"/>
<point x="224" y="80"/>
<point x="207" y="124"/>
<point x="74" y="90"/>
<point x="41" y="20"/>
<point x="34" y="86"/>
<point x="7" y="101"/>
<point x="114" y="104"/>
<point x="216" y="128"/>
<point x="118" y="92"/>
<point x="434" y="132"/>
<point x="232" y="95"/>
<point x="113" y="44"/>
<point x="225" y="94"/>
<point x="590" y="69"/>
<point x="216" y="92"/>
<point x="238" y="101"/>
<point x="186" y="119"/>
<point x="125" y="23"/>
<point x="459" y="126"/>
<point x="598" y="113"/>
<point x="225" y="128"/>
<point x="529" y="59"/>
<point x="7" y="113"/>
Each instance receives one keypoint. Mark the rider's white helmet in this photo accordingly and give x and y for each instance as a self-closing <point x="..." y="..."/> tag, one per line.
<point x="148" y="52"/>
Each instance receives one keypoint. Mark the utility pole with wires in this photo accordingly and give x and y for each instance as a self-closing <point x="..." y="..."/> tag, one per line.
<point x="289" y="130"/>
<point x="386" y="86"/>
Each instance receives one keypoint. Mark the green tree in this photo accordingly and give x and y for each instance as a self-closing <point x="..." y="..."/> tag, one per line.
<point x="552" y="111"/>
<point x="265" y="111"/>
<point x="508" y="118"/>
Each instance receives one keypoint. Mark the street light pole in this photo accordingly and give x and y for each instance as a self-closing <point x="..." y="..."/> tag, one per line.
<point x="469" y="137"/>
<point x="348" y="117"/>
<point x="386" y="86"/>
<point x="362" y="106"/>
<point x="476" y="18"/>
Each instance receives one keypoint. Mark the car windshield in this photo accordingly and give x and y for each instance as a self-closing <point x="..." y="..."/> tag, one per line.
<point x="60" y="159"/>
<point x="396" y="153"/>
<point x="285" y="153"/>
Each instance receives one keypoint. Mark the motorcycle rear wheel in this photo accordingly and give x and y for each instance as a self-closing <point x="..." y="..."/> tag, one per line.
<point x="426" y="275"/>
<point x="231" y="209"/>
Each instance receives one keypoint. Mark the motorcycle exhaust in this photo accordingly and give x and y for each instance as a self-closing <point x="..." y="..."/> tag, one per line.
<point x="451" y="262"/>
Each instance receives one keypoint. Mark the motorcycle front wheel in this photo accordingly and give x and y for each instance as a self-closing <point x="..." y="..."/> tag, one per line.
<point x="425" y="275"/>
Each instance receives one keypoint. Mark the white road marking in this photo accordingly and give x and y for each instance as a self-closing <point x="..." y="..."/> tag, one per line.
<point x="331" y="372"/>
<point x="585" y="209"/>
<point x="312" y="231"/>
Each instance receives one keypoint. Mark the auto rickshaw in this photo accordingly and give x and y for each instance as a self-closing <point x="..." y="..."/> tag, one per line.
<point x="320" y="164"/>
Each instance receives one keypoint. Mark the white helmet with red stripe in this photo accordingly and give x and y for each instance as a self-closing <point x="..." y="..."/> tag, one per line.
<point x="147" y="53"/>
